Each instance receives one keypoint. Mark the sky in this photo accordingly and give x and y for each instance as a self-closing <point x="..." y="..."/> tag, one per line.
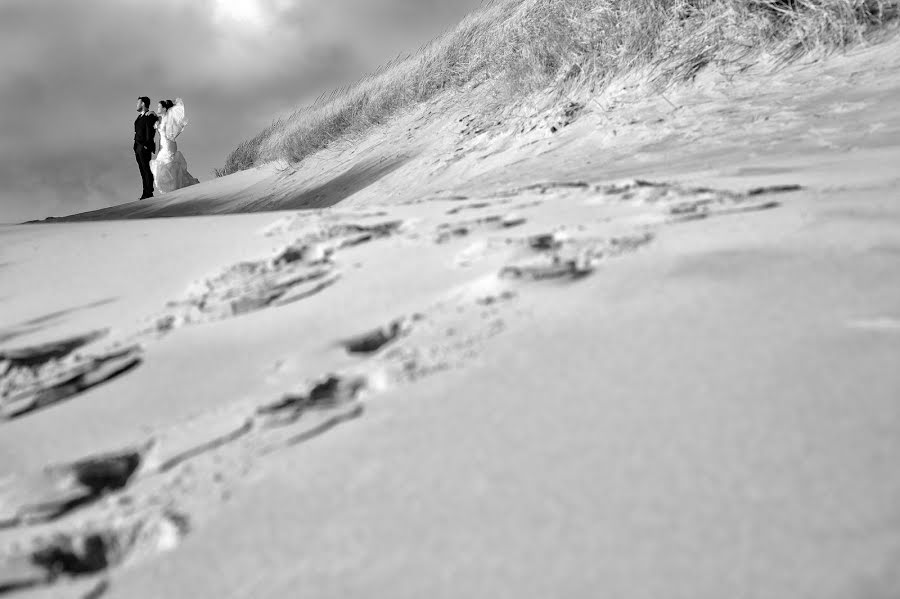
<point x="71" y="72"/>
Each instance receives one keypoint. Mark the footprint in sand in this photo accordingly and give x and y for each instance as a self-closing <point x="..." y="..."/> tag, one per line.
<point x="371" y="341"/>
<point x="722" y="203"/>
<point x="447" y="335"/>
<point x="297" y="271"/>
<point x="91" y="551"/>
<point x="448" y="231"/>
<point x="666" y="204"/>
<point x="36" y="377"/>
<point x="57" y="490"/>
<point x="679" y="204"/>
<point x="562" y="257"/>
<point x="316" y="408"/>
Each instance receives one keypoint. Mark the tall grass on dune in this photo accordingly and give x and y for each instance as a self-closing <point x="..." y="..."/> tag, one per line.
<point x="518" y="47"/>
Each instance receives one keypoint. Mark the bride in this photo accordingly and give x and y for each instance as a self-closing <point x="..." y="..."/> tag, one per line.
<point x="170" y="168"/>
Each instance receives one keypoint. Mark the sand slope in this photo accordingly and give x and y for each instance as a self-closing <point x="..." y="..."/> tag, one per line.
<point x="652" y="354"/>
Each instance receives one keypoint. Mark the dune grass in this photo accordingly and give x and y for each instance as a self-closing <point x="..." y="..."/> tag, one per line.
<point x="519" y="47"/>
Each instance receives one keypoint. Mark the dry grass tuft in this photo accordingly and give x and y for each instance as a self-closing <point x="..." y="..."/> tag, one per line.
<point x="519" y="47"/>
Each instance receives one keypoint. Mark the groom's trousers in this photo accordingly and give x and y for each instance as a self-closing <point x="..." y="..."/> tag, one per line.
<point x="143" y="159"/>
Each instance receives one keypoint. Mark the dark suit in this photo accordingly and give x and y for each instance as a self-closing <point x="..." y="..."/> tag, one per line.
<point x="144" y="146"/>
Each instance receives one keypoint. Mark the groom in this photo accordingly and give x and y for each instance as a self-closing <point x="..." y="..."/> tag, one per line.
<point x="144" y="146"/>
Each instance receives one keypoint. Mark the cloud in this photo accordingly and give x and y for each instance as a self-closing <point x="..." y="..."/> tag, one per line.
<point x="70" y="73"/>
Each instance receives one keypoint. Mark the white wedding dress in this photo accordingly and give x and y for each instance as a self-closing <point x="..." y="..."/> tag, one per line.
<point x="169" y="168"/>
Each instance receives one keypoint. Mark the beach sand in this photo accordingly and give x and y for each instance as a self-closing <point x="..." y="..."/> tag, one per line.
<point x="652" y="353"/>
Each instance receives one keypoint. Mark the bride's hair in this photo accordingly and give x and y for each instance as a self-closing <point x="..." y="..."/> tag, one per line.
<point x="167" y="104"/>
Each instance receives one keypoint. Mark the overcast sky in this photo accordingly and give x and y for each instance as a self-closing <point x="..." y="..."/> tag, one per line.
<point x="70" y="74"/>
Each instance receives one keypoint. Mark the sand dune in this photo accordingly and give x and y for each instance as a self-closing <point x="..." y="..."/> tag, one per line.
<point x="643" y="348"/>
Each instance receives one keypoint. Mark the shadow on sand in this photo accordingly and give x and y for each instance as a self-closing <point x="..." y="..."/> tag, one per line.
<point x="281" y="191"/>
<point x="332" y="192"/>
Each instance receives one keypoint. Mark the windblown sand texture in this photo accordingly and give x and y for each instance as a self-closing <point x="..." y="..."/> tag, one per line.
<point x="645" y="348"/>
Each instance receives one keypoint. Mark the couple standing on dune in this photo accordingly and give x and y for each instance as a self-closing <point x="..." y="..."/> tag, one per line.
<point x="168" y="171"/>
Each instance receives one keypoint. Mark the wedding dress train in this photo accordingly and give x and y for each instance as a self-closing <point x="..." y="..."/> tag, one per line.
<point x="170" y="167"/>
